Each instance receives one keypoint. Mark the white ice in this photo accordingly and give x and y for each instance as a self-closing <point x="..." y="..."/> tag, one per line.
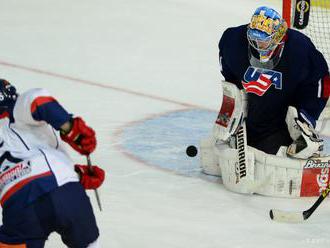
<point x="116" y="62"/>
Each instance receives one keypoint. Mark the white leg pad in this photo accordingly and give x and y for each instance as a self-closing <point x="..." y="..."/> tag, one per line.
<point x="237" y="176"/>
<point x="209" y="159"/>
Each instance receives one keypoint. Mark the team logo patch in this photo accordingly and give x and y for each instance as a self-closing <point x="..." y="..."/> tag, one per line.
<point x="258" y="81"/>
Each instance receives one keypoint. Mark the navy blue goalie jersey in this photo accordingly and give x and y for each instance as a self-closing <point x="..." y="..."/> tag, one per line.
<point x="300" y="79"/>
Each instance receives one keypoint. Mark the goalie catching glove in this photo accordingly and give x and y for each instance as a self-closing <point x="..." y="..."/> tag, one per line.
<point x="308" y="144"/>
<point x="91" y="177"/>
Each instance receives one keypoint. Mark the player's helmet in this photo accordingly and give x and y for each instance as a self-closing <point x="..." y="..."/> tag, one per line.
<point x="266" y="33"/>
<point x="8" y="95"/>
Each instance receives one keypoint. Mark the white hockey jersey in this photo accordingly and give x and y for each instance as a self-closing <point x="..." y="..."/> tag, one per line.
<point x="33" y="160"/>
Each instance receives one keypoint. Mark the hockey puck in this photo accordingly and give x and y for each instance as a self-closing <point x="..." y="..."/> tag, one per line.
<point x="191" y="151"/>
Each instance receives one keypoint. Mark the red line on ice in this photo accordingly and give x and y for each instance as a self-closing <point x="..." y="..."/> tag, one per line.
<point x="88" y="82"/>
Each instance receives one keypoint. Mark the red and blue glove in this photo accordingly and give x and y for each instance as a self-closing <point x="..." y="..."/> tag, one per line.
<point x="91" y="177"/>
<point x="80" y="137"/>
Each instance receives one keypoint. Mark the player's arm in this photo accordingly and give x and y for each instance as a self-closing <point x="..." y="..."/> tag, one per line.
<point x="37" y="106"/>
<point x="309" y="107"/>
<point x="314" y="90"/>
<point x="233" y="106"/>
<point x="224" y="54"/>
<point x="73" y="130"/>
<point x="311" y="98"/>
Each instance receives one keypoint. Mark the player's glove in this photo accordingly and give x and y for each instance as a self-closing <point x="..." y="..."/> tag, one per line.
<point x="80" y="137"/>
<point x="308" y="144"/>
<point x="91" y="177"/>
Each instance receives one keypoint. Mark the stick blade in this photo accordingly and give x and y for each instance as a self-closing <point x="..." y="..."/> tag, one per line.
<point x="285" y="216"/>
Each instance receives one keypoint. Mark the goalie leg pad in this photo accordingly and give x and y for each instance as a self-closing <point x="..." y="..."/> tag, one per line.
<point x="209" y="159"/>
<point x="237" y="175"/>
<point x="263" y="173"/>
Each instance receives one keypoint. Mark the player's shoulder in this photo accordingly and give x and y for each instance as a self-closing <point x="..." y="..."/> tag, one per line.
<point x="299" y="40"/>
<point x="236" y="30"/>
<point x="26" y="102"/>
<point x="233" y="32"/>
<point x="301" y="48"/>
<point x="233" y="38"/>
<point x="34" y="93"/>
<point x="27" y="97"/>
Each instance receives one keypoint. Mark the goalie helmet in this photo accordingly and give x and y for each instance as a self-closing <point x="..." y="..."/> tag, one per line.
<point x="8" y="96"/>
<point x="266" y="34"/>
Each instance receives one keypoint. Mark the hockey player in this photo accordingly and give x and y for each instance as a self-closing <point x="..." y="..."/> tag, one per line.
<point x="257" y="145"/>
<point x="276" y="67"/>
<point x="41" y="189"/>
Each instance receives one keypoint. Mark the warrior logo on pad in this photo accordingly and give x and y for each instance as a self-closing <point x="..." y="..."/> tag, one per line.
<point x="258" y="81"/>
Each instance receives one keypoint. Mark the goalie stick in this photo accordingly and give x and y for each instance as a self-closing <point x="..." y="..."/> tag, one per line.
<point x="298" y="217"/>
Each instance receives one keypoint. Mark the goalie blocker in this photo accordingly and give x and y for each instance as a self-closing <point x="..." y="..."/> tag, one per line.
<point x="245" y="169"/>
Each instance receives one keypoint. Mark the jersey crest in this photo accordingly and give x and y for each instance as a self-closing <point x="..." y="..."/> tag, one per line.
<point x="258" y="81"/>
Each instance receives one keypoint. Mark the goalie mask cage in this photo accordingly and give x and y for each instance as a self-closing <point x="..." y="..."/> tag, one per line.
<point x="311" y="17"/>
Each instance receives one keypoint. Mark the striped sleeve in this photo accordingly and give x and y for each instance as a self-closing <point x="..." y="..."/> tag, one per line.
<point x="37" y="105"/>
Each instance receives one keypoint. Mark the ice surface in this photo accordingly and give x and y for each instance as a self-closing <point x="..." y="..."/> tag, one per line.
<point x="118" y="63"/>
<point x="161" y="141"/>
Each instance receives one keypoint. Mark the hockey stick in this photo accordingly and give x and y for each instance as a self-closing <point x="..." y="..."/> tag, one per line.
<point x="298" y="217"/>
<point x="89" y="163"/>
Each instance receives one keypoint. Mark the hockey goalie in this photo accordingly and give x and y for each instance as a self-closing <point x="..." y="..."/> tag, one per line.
<point x="276" y="86"/>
